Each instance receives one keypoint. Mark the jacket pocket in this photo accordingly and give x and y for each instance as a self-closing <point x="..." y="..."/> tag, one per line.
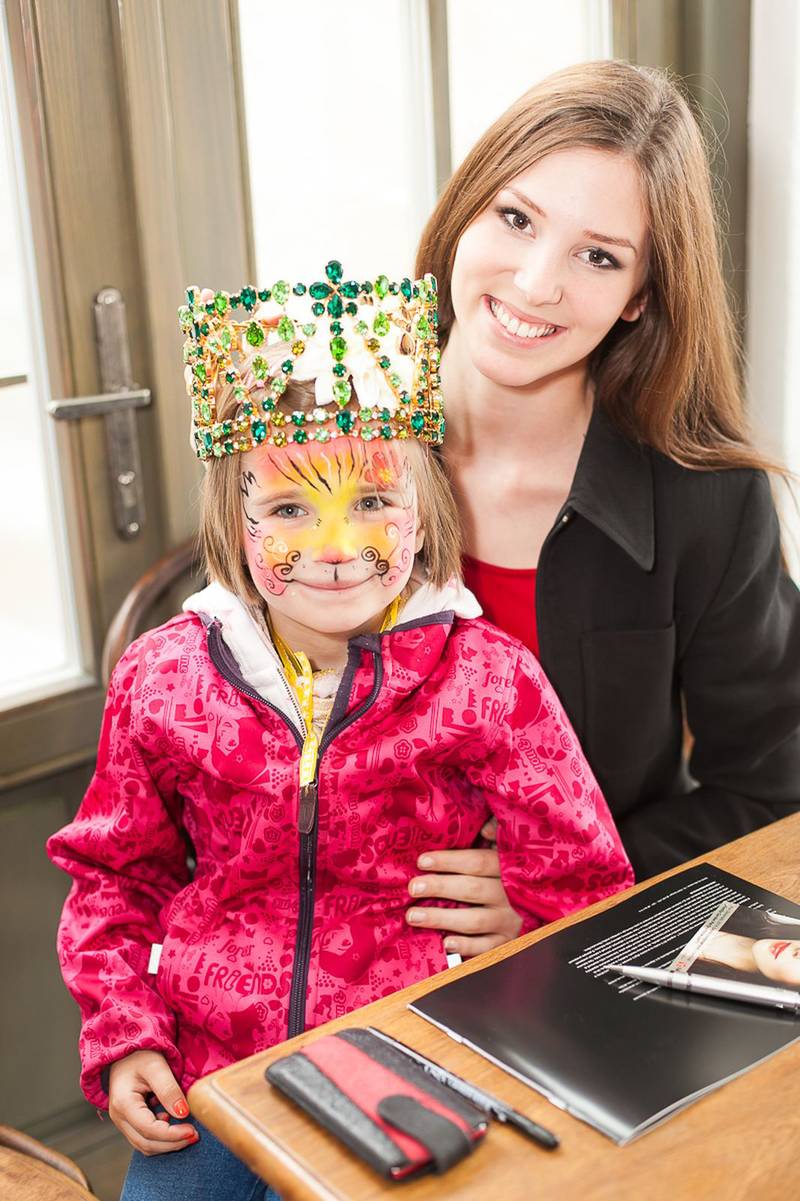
<point x="630" y="683"/>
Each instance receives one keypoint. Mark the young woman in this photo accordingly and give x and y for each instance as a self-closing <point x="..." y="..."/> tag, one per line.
<point x="617" y="517"/>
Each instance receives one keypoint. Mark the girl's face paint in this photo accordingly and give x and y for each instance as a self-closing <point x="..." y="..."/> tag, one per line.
<point x="330" y="530"/>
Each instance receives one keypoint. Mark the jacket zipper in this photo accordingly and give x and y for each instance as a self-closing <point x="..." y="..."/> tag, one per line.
<point x="308" y="818"/>
<point x="218" y="653"/>
<point x="308" y="862"/>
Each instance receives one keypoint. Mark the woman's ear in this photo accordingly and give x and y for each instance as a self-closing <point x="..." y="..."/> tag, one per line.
<point x="420" y="539"/>
<point x="635" y="306"/>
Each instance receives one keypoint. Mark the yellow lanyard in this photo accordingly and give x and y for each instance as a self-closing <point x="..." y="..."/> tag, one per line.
<point x="300" y="678"/>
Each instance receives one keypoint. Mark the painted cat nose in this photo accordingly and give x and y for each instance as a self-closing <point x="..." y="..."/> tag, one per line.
<point x="333" y="554"/>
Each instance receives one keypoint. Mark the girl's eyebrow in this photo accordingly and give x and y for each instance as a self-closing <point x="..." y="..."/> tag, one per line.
<point x="267" y="497"/>
<point x="587" y="233"/>
<point x="391" y="485"/>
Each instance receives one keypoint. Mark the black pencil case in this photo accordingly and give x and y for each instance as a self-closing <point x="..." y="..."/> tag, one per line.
<point x="384" y="1107"/>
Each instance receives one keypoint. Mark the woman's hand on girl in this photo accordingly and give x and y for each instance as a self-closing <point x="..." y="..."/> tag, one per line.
<point x="131" y="1081"/>
<point x="471" y="876"/>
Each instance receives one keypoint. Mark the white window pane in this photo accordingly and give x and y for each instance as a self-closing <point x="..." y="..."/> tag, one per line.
<point x="337" y="112"/>
<point x="38" y="629"/>
<point x="498" y="51"/>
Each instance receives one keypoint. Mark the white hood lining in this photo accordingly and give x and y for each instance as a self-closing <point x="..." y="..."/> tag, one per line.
<point x="257" y="658"/>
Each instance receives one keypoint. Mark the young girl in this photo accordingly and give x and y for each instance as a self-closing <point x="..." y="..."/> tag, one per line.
<point x="617" y="516"/>
<point x="330" y="706"/>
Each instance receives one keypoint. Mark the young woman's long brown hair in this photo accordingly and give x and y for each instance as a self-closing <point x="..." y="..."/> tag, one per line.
<point x="669" y="379"/>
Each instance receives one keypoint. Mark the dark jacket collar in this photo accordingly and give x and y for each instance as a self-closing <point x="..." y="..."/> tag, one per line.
<point x="613" y="488"/>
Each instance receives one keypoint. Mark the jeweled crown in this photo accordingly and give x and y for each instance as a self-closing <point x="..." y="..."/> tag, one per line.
<point x="370" y="347"/>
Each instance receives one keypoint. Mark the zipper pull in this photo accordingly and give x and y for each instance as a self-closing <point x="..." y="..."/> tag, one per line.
<point x="308" y="807"/>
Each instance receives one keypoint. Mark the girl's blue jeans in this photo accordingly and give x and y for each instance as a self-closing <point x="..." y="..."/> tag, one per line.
<point x="206" y="1171"/>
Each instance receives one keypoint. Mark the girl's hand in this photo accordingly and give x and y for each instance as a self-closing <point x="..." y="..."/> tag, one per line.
<point x="473" y="876"/>
<point x="131" y="1081"/>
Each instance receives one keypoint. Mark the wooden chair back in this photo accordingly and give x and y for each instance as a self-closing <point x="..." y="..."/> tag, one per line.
<point x="130" y="618"/>
<point x="30" y="1171"/>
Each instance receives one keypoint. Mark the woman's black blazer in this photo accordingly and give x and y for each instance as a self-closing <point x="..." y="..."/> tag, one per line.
<point x="661" y="595"/>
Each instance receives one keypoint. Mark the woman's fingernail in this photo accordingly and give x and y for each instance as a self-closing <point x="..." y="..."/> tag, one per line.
<point x="415" y="915"/>
<point x="181" y="1109"/>
<point x="416" y="888"/>
<point x="195" y="1137"/>
<point x="449" y="944"/>
<point x="425" y="861"/>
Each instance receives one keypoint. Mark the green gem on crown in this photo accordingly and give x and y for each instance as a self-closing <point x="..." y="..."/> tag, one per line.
<point x="286" y="329"/>
<point x="342" y="391"/>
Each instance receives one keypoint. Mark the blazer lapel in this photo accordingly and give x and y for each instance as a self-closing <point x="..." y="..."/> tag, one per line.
<point x="613" y="488"/>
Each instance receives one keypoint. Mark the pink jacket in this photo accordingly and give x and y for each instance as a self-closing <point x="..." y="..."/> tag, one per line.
<point x="437" y="723"/>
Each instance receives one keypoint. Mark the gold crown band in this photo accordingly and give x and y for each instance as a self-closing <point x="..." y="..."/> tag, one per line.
<point x="370" y="348"/>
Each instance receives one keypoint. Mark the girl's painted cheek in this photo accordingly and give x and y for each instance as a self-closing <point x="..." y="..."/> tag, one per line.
<point x="271" y="559"/>
<point x="402" y="536"/>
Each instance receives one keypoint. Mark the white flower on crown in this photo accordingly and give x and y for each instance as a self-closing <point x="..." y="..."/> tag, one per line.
<point x="316" y="362"/>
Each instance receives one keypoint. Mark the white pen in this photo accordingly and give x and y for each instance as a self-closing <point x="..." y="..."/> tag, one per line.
<point x="729" y="990"/>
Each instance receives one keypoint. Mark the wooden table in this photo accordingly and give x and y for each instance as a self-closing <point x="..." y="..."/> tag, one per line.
<point x="740" y="1143"/>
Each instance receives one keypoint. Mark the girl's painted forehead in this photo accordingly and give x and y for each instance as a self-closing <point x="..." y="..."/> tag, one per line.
<point x="330" y="465"/>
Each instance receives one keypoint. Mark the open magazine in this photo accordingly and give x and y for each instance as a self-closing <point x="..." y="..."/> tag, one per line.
<point x="622" y="1055"/>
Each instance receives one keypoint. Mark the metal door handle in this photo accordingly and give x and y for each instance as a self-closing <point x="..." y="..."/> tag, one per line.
<point x="98" y="406"/>
<point x="115" y="406"/>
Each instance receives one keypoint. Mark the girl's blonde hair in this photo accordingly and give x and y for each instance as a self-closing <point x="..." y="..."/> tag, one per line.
<point x="221" y="512"/>
<point x="669" y="379"/>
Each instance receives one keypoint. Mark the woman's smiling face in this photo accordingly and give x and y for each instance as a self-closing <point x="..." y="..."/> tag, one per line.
<point x="552" y="264"/>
